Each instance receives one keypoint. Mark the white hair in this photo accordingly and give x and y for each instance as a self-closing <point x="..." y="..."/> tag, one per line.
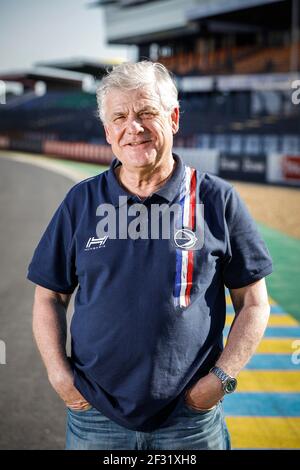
<point x="131" y="76"/>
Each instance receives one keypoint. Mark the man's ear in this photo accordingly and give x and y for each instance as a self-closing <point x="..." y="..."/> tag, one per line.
<point x="107" y="136"/>
<point x="175" y="120"/>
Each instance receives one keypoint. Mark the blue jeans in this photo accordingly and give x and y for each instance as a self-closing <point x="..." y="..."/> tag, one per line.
<point x="188" y="429"/>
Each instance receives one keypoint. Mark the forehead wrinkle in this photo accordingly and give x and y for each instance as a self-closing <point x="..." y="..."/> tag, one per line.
<point x="141" y="94"/>
<point x="137" y="108"/>
<point x="122" y="102"/>
<point x="147" y="107"/>
<point x="118" y="112"/>
<point x="146" y="101"/>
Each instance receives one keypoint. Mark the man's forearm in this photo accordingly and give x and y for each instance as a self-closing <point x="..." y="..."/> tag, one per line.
<point x="50" y="331"/>
<point x="252" y="314"/>
<point x="49" y="328"/>
<point x="245" y="335"/>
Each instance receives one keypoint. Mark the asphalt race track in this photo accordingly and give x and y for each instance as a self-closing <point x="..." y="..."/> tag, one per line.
<point x="32" y="416"/>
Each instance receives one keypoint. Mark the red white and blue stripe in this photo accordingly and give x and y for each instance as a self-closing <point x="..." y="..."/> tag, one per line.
<point x="185" y="258"/>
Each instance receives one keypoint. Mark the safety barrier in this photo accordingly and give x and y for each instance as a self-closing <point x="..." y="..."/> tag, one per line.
<point x="283" y="168"/>
<point x="267" y="167"/>
<point x="80" y="151"/>
<point x="26" y="145"/>
<point x="4" y="142"/>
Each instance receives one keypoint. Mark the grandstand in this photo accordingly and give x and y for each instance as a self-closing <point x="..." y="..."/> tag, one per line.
<point x="58" y="102"/>
<point x="203" y="37"/>
<point x="234" y="63"/>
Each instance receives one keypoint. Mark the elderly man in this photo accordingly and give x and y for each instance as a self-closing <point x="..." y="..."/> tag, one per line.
<point x="148" y="369"/>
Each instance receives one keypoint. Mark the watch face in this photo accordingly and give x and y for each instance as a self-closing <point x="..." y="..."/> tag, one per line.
<point x="230" y="385"/>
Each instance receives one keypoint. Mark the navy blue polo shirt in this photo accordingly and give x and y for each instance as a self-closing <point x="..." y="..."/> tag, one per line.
<point x="149" y="312"/>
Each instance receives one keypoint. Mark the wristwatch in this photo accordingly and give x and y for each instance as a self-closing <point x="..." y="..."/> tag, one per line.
<point x="229" y="383"/>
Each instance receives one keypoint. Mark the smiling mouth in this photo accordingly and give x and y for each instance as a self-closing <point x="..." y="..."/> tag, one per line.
<point x="136" y="144"/>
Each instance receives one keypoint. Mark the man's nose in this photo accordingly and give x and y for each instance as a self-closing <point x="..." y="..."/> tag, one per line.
<point x="135" y="126"/>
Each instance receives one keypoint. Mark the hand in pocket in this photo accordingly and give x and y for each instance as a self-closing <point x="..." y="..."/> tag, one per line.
<point x="64" y="387"/>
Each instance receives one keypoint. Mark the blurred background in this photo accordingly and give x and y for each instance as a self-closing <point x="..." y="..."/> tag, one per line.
<point x="237" y="67"/>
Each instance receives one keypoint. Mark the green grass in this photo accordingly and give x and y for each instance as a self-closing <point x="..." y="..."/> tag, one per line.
<point x="88" y="169"/>
<point x="284" y="282"/>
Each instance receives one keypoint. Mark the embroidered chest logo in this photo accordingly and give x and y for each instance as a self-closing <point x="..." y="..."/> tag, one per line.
<point x="185" y="238"/>
<point x="95" y="243"/>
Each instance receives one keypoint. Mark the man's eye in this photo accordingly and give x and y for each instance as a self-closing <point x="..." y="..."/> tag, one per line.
<point x="146" y="114"/>
<point x="119" y="118"/>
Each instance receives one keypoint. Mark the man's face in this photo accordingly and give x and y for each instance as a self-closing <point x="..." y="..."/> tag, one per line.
<point x="139" y="130"/>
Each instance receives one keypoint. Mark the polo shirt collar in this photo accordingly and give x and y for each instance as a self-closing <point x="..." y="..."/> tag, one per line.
<point x="168" y="191"/>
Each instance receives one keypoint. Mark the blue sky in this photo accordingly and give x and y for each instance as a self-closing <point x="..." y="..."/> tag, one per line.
<point x="42" y="30"/>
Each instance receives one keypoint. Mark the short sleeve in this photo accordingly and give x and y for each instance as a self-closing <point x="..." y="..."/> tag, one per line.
<point x="53" y="262"/>
<point x="247" y="258"/>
